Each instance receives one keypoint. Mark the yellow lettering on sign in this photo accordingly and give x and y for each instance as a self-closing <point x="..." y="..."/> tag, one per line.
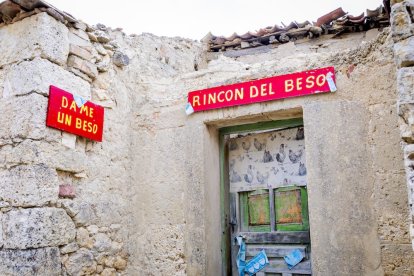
<point x="239" y="93"/>
<point x="196" y="101"/>
<point x="86" y="126"/>
<point x="63" y="118"/>
<point x="91" y="112"/>
<point x="60" y="117"/>
<point x="310" y="82"/>
<point x="288" y="85"/>
<point x="68" y="120"/>
<point x="219" y="98"/>
<point x="78" y="124"/>
<point x="263" y="90"/>
<point x="85" y="109"/>
<point x="299" y="83"/>
<point x="229" y="95"/>
<point x="254" y="91"/>
<point x="73" y="106"/>
<point x="65" y="102"/>
<point x="320" y="80"/>
<point x="212" y="98"/>
<point x="271" y="92"/>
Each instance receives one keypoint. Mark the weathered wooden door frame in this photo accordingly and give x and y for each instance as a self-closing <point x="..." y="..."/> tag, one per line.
<point x="224" y="183"/>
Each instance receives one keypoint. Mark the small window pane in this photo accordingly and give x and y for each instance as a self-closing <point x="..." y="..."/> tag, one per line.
<point x="259" y="208"/>
<point x="288" y="207"/>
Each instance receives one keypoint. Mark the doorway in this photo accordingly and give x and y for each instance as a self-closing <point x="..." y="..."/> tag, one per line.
<point x="263" y="169"/>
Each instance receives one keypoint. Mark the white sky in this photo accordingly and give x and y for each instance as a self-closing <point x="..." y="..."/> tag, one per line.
<point x="195" y="18"/>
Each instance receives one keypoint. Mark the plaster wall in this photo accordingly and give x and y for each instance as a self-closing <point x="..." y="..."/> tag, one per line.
<point x="148" y="197"/>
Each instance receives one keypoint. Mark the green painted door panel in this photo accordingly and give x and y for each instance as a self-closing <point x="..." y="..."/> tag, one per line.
<point x="291" y="209"/>
<point x="255" y="208"/>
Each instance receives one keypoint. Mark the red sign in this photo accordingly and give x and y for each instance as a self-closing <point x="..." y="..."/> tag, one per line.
<point x="74" y="115"/>
<point x="274" y="88"/>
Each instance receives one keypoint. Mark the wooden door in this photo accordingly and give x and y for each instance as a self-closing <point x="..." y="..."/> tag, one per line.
<point x="268" y="197"/>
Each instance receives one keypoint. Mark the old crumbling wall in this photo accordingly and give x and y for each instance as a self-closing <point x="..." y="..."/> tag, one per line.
<point x="147" y="199"/>
<point x="66" y="201"/>
<point x="403" y="36"/>
<point x="62" y="198"/>
<point x="358" y="213"/>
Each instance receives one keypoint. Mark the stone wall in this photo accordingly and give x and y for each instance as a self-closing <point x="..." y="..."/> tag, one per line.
<point x="146" y="201"/>
<point x="66" y="201"/>
<point x="62" y="198"/>
<point x="403" y="36"/>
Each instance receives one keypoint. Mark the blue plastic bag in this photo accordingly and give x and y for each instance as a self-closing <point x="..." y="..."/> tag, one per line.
<point x="256" y="264"/>
<point x="241" y="256"/>
<point x="293" y="258"/>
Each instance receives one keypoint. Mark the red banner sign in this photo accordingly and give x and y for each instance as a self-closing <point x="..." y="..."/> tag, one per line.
<point x="75" y="115"/>
<point x="274" y="88"/>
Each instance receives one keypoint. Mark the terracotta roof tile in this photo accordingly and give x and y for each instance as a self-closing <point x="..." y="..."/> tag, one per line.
<point x="335" y="22"/>
<point x="329" y="17"/>
<point x="14" y="10"/>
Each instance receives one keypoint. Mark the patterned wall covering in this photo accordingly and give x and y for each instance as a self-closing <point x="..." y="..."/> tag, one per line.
<point x="267" y="160"/>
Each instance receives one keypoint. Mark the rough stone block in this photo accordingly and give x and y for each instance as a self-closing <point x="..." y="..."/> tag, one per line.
<point x="69" y="140"/>
<point x="406" y="112"/>
<point x="405" y="85"/>
<point x="120" y="59"/>
<point x="100" y="49"/>
<point x="76" y="40"/>
<point x="397" y="259"/>
<point x="409" y="152"/>
<point x="42" y="261"/>
<point x="81" y="263"/>
<point x="28" y="185"/>
<point x="72" y="247"/>
<point x="401" y="27"/>
<point x="80" y="52"/>
<point x="102" y="97"/>
<point x="104" y="64"/>
<point x="83" y="65"/>
<point x="37" y="227"/>
<point x="406" y="133"/>
<point x="84" y="239"/>
<point x="38" y="35"/>
<point x="25" y="117"/>
<point x="102" y="243"/>
<point x="409" y="169"/>
<point x="85" y="214"/>
<point x="404" y="52"/>
<point x="80" y="25"/>
<point x="54" y="155"/>
<point x="82" y="34"/>
<point x="120" y="263"/>
<point x="101" y="36"/>
<point x="37" y="76"/>
<point x="81" y="212"/>
<point x="80" y="74"/>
